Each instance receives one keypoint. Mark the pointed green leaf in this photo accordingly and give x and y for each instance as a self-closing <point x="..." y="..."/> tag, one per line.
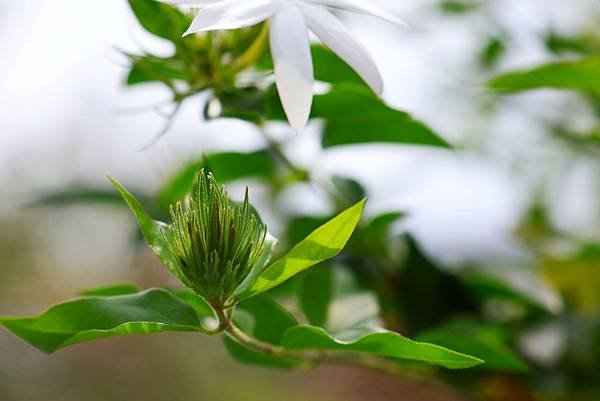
<point x="582" y="75"/>
<point x="151" y="229"/>
<point x="87" y="319"/>
<point x="324" y="243"/>
<point x="378" y="342"/>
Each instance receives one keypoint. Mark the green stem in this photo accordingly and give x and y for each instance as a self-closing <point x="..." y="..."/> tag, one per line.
<point x="254" y="52"/>
<point x="251" y="342"/>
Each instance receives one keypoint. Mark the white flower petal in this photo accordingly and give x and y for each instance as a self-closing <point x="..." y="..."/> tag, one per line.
<point x="335" y="36"/>
<point x="361" y="6"/>
<point x="290" y="46"/>
<point x="232" y="14"/>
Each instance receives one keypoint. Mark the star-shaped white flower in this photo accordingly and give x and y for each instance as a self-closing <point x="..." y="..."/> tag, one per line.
<point x="289" y="23"/>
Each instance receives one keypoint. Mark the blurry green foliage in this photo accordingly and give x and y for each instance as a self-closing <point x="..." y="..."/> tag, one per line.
<point x="581" y="75"/>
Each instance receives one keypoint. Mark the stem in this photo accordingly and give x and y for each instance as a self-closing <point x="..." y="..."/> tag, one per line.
<point x="245" y="339"/>
<point x="254" y="52"/>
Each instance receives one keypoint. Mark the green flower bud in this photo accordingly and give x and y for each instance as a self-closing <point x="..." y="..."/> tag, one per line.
<point x="216" y="241"/>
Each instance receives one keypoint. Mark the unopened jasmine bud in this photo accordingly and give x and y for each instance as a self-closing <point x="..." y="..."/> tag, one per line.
<point x="217" y="242"/>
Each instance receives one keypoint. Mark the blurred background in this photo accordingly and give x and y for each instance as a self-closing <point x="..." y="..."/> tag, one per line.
<point x="516" y="193"/>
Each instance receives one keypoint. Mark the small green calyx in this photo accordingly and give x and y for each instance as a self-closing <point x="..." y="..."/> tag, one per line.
<point x="216" y="242"/>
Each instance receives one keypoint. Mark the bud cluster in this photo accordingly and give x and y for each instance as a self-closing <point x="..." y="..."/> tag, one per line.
<point x="216" y="241"/>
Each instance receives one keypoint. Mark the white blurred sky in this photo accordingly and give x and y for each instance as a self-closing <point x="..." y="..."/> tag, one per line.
<point x="62" y="117"/>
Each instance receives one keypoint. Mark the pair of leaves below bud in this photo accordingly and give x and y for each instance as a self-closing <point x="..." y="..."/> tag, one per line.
<point x="220" y="248"/>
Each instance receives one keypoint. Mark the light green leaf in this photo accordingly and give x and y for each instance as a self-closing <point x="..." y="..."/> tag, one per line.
<point x="581" y="75"/>
<point x="151" y="229"/>
<point x="111" y="290"/>
<point x="324" y="243"/>
<point x="376" y="341"/>
<point x="87" y="319"/>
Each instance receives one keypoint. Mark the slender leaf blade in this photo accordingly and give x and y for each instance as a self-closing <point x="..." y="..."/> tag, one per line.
<point x="379" y="342"/>
<point x="581" y="75"/>
<point x="94" y="318"/>
<point x="152" y="231"/>
<point x="324" y="243"/>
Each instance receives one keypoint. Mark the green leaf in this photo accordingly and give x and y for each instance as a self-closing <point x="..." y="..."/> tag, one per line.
<point x="475" y="339"/>
<point x="315" y="294"/>
<point x="332" y="69"/>
<point x="179" y="185"/>
<point x="350" y="189"/>
<point x="328" y="67"/>
<point x="353" y="116"/>
<point x="203" y="309"/>
<point x="324" y="243"/>
<point x="111" y="290"/>
<point x="458" y="6"/>
<point x="581" y="75"/>
<point x="492" y="52"/>
<point x="87" y="319"/>
<point x="231" y="166"/>
<point x="226" y="167"/>
<point x="160" y="19"/>
<point x="148" y="68"/>
<point x="263" y="319"/>
<point x="76" y="195"/>
<point x="152" y="231"/>
<point x="376" y="341"/>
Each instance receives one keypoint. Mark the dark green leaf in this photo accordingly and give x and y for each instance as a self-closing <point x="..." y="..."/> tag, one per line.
<point x="353" y="116"/>
<point x="446" y="294"/>
<point x="581" y="75"/>
<point x="315" y="294"/>
<point x="76" y="195"/>
<point x="266" y="321"/>
<point x="160" y="19"/>
<point x="233" y="166"/>
<point x="379" y="342"/>
<point x="492" y="52"/>
<point x="349" y="189"/>
<point x="324" y="243"/>
<point x="87" y="319"/>
<point x="111" y="290"/>
<point x="149" y="68"/>
<point x="226" y="167"/>
<point x="458" y="6"/>
<point x="474" y="339"/>
<point x="332" y="69"/>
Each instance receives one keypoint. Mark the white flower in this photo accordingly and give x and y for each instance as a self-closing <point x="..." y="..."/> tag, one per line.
<point x="289" y="23"/>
